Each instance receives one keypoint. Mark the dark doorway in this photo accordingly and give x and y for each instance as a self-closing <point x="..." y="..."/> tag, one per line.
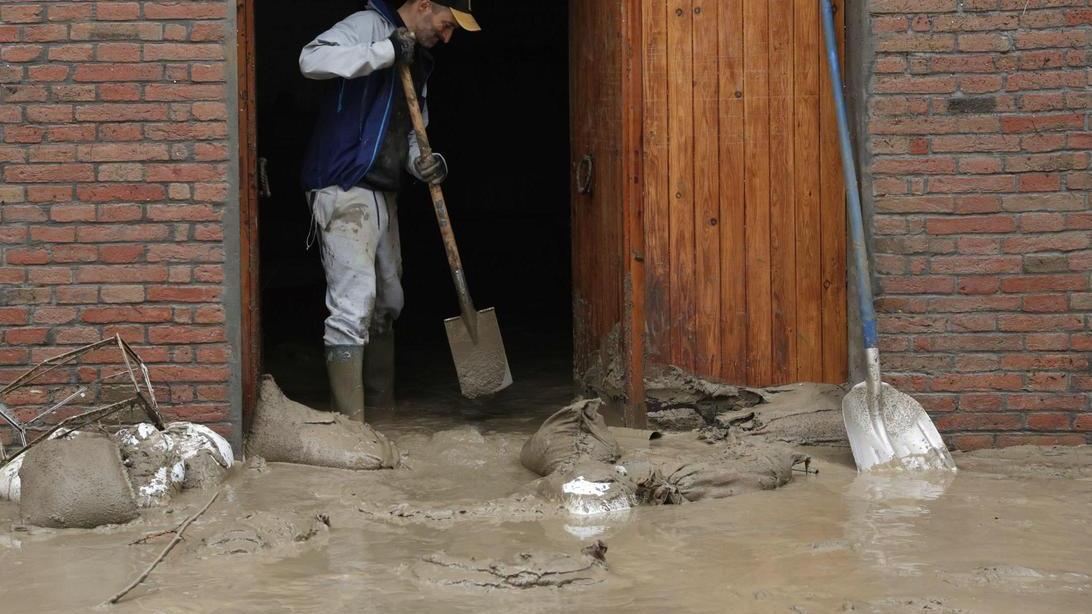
<point x="499" y="113"/>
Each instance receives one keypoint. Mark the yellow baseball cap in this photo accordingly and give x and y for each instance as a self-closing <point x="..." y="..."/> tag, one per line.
<point x="461" y="9"/>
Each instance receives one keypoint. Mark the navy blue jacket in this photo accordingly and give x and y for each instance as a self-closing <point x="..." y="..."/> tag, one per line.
<point x="353" y="117"/>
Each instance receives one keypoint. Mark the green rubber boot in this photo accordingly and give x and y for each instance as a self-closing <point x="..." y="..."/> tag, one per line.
<point x="345" y="368"/>
<point x="379" y="370"/>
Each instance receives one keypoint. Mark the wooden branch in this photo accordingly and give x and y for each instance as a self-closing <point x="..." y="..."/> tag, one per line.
<point x="163" y="554"/>
<point x="91" y="416"/>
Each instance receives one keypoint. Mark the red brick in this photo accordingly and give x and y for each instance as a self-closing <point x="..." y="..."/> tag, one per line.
<point x="121" y="294"/>
<point x="1046" y="303"/>
<point x="121" y="254"/>
<point x="117" y="11"/>
<point x="122" y="233"/>
<point x="1041" y="122"/>
<point x="46" y="173"/>
<point x="185" y="294"/>
<point x="121" y="112"/>
<point x="980" y="422"/>
<point x="122" y="273"/>
<point x="123" y="192"/>
<point x="26" y="336"/>
<point x="1044" y="283"/>
<point x="127" y="72"/>
<point x="1039" y="182"/>
<point x="54" y="315"/>
<point x="970" y="224"/>
<point x="109" y="152"/>
<point x="961" y="183"/>
<point x="1063" y="241"/>
<point x="176" y="52"/>
<point x="1004" y="441"/>
<point x="980" y="402"/>
<point x="978" y="381"/>
<point x="139" y="313"/>
<point x="14" y="316"/>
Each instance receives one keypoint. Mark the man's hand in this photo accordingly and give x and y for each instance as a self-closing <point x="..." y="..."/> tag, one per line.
<point x="432" y="169"/>
<point x="403" y="42"/>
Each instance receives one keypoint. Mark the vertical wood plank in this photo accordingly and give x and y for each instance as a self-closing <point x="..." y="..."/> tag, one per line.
<point x="782" y="203"/>
<point x="809" y="286"/>
<point x="707" y="188"/>
<point x="732" y="193"/>
<point x="633" y="242"/>
<point x="757" y="188"/>
<point x="656" y="190"/>
<point x="833" y="224"/>
<point x="680" y="36"/>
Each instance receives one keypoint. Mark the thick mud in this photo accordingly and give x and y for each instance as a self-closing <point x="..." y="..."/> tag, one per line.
<point x="459" y="529"/>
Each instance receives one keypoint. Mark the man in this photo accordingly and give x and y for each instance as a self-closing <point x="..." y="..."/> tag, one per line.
<point x="352" y="171"/>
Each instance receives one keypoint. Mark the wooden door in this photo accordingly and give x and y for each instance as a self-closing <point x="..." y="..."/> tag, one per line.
<point x="744" y="205"/>
<point x="250" y="290"/>
<point x="606" y="203"/>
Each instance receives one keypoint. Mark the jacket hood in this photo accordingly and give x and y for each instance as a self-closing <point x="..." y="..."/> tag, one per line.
<point x="381" y="7"/>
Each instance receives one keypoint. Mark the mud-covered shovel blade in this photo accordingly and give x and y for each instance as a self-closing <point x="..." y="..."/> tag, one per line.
<point x="914" y="441"/>
<point x="483" y="366"/>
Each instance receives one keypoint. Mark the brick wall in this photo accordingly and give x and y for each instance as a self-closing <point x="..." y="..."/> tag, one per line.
<point x="114" y="169"/>
<point x="979" y="137"/>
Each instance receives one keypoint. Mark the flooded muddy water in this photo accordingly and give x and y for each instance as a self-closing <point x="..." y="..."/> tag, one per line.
<point x="1008" y="533"/>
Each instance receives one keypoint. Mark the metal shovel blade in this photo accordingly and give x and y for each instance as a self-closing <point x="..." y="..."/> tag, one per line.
<point x="915" y="443"/>
<point x="483" y="366"/>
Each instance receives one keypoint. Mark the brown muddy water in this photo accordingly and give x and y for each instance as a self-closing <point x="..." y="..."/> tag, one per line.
<point x="1008" y="533"/>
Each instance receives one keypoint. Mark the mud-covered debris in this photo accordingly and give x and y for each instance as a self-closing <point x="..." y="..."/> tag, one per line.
<point x="525" y="570"/>
<point x="259" y="531"/>
<point x="517" y="508"/>
<point x="676" y="419"/>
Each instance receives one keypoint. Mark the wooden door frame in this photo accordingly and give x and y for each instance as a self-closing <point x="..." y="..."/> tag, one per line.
<point x="633" y="231"/>
<point x="250" y="291"/>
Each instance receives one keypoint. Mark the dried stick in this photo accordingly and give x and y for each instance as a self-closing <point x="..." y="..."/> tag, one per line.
<point x="174" y="542"/>
<point x="144" y="540"/>
<point x="51" y="364"/>
<point x="86" y="417"/>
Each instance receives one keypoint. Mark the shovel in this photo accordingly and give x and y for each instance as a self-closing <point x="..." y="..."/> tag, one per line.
<point x="474" y="336"/>
<point x="887" y="429"/>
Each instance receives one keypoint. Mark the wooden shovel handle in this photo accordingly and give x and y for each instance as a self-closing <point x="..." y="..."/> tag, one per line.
<point x="466" y="305"/>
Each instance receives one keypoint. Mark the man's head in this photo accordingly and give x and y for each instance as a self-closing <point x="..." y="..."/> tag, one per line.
<point x="435" y="21"/>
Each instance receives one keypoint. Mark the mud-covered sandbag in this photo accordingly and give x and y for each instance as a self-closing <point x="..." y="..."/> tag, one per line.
<point x="75" y="483"/>
<point x="741" y="469"/>
<point x="289" y="432"/>
<point x="805" y="414"/>
<point x="185" y="455"/>
<point x="572" y="435"/>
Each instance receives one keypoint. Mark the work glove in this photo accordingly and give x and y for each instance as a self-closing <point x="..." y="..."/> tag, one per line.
<point x="403" y="42"/>
<point x="431" y="169"/>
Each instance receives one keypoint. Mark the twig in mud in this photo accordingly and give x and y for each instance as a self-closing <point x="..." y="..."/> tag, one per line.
<point x="807" y="468"/>
<point x="174" y="542"/>
<point x="144" y="540"/>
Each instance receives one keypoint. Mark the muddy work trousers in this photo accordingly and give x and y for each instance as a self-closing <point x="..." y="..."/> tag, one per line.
<point x="362" y="257"/>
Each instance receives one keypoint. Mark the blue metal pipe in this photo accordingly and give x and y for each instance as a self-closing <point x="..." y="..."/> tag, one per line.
<point x="849" y="172"/>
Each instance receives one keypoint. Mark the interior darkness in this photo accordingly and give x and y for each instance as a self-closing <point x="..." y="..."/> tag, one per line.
<point x="498" y="104"/>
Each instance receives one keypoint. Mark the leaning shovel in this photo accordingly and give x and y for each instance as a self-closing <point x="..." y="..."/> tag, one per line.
<point x="886" y="428"/>
<point x="474" y="336"/>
